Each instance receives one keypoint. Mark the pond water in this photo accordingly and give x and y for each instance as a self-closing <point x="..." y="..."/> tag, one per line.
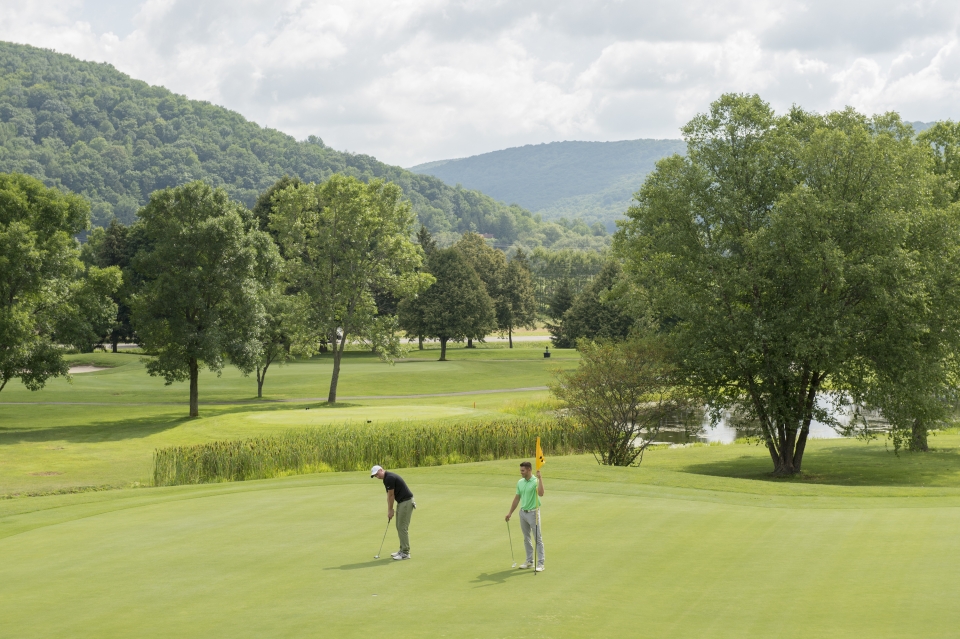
<point x="729" y="429"/>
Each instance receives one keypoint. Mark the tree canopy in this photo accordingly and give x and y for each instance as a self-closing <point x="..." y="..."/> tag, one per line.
<point x="456" y="306"/>
<point x="787" y="254"/>
<point x="345" y="242"/>
<point x="199" y="301"/>
<point x="44" y="299"/>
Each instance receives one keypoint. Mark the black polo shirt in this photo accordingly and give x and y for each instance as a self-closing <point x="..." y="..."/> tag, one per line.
<point x="394" y="482"/>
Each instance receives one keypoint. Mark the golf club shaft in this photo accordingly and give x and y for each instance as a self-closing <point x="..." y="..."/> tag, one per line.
<point x="510" y="535"/>
<point x="384" y="538"/>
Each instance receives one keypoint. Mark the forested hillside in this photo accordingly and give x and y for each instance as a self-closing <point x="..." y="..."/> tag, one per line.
<point x="592" y="181"/>
<point x="87" y="128"/>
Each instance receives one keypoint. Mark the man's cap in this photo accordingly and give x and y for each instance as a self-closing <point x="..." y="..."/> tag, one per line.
<point x="375" y="470"/>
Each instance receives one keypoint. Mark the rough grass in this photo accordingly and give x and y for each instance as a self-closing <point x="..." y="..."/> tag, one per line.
<point x="355" y="447"/>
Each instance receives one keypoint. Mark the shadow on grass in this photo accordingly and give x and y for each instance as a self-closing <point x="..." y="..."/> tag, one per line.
<point x="849" y="464"/>
<point x="108" y="430"/>
<point x="493" y="578"/>
<point x="366" y="564"/>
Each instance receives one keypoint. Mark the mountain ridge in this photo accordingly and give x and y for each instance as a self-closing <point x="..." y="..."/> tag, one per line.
<point x="86" y="127"/>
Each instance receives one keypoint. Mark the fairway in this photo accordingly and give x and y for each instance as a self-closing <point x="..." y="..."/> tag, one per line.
<point x="101" y="428"/>
<point x="294" y="557"/>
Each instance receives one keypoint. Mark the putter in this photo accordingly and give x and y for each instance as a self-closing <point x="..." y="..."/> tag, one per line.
<point x="510" y="535"/>
<point x="377" y="556"/>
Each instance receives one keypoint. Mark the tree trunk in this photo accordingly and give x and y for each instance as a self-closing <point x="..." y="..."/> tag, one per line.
<point x="443" y="349"/>
<point x="421" y="341"/>
<point x="787" y="447"/>
<point x="469" y="342"/>
<point x="337" y="354"/>
<point x="194" y="395"/>
<point x="918" y="437"/>
<point x="115" y="340"/>
<point x="261" y="375"/>
<point x="510" y="336"/>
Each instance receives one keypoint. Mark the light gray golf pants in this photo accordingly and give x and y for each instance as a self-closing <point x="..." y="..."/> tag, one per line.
<point x="404" y="512"/>
<point x="529" y="528"/>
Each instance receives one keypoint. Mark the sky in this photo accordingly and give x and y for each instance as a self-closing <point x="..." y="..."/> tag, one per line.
<point x="411" y="81"/>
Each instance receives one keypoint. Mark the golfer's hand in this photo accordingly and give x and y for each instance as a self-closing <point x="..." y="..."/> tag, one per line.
<point x="507" y="518"/>
<point x="389" y="514"/>
<point x="538" y="474"/>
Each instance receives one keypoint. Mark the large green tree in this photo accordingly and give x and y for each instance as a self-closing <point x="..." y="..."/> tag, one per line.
<point x="490" y="264"/>
<point x="199" y="303"/>
<point x="456" y="305"/>
<point x="517" y="305"/>
<point x="344" y="241"/>
<point x="783" y="256"/>
<point x="45" y="300"/>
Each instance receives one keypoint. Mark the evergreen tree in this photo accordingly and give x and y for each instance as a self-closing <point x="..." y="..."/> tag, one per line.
<point x="593" y="316"/>
<point x="426" y="241"/>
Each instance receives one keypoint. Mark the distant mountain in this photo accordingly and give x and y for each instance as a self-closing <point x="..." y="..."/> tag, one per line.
<point x="87" y="128"/>
<point x="593" y="181"/>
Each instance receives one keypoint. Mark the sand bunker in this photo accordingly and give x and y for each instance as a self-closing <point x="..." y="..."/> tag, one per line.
<point x="76" y="370"/>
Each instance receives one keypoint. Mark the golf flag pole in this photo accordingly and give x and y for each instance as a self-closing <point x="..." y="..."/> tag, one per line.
<point x="540" y="462"/>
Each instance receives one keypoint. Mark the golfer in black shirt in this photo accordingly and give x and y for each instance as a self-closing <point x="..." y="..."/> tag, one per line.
<point x="398" y="492"/>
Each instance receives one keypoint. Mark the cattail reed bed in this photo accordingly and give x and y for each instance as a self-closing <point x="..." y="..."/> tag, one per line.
<point x="357" y="447"/>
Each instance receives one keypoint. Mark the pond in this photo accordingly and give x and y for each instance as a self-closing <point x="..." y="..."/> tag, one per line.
<point x="730" y="428"/>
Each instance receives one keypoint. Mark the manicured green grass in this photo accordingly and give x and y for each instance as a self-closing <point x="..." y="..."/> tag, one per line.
<point x="630" y="552"/>
<point x="363" y="374"/>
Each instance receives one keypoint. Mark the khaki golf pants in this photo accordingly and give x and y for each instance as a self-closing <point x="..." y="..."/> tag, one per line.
<point x="404" y="512"/>
<point x="529" y="528"/>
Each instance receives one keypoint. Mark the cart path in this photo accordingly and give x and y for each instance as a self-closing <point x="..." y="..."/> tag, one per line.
<point x="287" y="401"/>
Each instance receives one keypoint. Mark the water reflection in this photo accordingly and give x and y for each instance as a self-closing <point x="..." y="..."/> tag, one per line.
<point x="732" y="427"/>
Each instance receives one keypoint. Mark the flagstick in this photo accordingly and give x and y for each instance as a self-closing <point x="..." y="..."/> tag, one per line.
<point x="536" y="543"/>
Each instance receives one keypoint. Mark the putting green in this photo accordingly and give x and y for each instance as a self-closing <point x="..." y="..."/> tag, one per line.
<point x="294" y="557"/>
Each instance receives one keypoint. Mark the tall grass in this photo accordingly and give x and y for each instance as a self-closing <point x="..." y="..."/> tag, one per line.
<point x="357" y="447"/>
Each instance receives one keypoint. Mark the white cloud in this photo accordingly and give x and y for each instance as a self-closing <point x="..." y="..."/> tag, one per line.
<point x="416" y="80"/>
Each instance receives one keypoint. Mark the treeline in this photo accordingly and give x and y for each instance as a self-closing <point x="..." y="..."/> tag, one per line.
<point x="85" y="128"/>
<point x="199" y="280"/>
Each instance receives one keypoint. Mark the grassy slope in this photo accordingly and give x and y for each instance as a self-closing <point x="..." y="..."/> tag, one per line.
<point x="633" y="552"/>
<point x="111" y="440"/>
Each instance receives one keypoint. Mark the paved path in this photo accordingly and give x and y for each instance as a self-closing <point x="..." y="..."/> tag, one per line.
<point x="286" y="401"/>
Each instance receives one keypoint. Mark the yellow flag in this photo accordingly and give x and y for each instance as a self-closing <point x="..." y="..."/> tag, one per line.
<point x="540" y="460"/>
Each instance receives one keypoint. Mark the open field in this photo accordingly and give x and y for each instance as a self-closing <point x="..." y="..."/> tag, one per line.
<point x="630" y="552"/>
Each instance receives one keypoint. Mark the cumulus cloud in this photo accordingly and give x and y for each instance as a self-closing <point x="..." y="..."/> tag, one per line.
<point x="416" y="80"/>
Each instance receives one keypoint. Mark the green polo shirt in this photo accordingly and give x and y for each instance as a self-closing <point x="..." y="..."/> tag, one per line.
<point x="527" y="489"/>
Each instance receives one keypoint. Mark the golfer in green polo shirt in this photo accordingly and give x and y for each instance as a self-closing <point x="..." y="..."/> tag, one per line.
<point x="529" y="492"/>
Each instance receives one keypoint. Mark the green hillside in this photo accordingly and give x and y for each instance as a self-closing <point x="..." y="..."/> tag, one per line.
<point x="87" y="128"/>
<point x="592" y="181"/>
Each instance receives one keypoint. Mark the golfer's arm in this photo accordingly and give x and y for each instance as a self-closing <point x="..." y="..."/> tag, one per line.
<point x="540" y="486"/>
<point x="513" y="507"/>
<point x="389" y="500"/>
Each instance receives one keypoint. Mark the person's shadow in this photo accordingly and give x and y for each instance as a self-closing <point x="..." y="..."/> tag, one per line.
<point x="493" y="578"/>
<point x="365" y="564"/>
